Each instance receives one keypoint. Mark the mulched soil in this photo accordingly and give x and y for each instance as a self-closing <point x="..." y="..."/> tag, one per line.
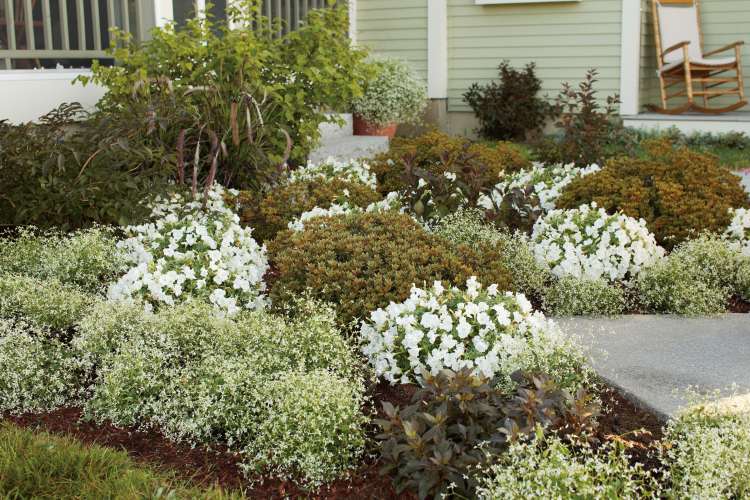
<point x="737" y="305"/>
<point x="204" y="466"/>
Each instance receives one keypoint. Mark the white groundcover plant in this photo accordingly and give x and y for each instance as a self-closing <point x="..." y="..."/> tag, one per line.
<point x="738" y="232"/>
<point x="546" y="181"/>
<point x="350" y="170"/>
<point x="494" y="333"/>
<point x="193" y="251"/>
<point x="392" y="201"/>
<point x="589" y="243"/>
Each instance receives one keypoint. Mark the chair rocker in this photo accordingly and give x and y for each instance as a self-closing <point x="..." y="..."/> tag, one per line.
<point x="681" y="60"/>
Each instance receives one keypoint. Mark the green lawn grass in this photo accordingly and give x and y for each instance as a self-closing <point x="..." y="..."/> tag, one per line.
<point x="40" y="465"/>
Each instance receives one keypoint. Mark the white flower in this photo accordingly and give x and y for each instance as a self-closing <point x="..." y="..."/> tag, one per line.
<point x="738" y="231"/>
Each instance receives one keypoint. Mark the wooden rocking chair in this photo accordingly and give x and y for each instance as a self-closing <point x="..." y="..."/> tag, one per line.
<point x="677" y="27"/>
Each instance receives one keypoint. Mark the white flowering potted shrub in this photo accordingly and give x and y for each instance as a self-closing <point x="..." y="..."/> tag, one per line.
<point x="589" y="243"/>
<point x="490" y="332"/>
<point x="738" y="232"/>
<point x="396" y="95"/>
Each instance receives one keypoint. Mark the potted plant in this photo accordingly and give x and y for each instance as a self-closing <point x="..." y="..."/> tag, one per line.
<point x="396" y="95"/>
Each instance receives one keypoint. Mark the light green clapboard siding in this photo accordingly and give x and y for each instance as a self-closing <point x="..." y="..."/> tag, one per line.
<point x="395" y="28"/>
<point x="563" y="39"/>
<point x="723" y="22"/>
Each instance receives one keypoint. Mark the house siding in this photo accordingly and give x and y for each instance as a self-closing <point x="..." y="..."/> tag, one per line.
<point x="563" y="39"/>
<point x="395" y="28"/>
<point x="722" y="21"/>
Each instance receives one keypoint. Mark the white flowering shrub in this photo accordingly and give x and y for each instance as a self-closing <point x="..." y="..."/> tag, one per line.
<point x="543" y="182"/>
<point x="550" y="469"/>
<point x="191" y="251"/>
<point x="570" y="296"/>
<point x="202" y="378"/>
<point x="673" y="286"/>
<point x="350" y="170"/>
<point x="708" y="453"/>
<point x="589" y="243"/>
<point x="488" y="331"/>
<point x="44" y="302"/>
<point x="38" y="373"/>
<point x="392" y="201"/>
<point x="395" y="95"/>
<point x="712" y="260"/>
<point x="88" y="258"/>
<point x="467" y="227"/>
<point x="738" y="231"/>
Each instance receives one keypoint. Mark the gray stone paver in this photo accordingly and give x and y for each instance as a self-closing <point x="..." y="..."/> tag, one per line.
<point x="656" y="359"/>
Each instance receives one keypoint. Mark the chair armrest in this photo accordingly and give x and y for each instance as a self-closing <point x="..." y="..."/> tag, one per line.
<point x="731" y="46"/>
<point x="674" y="47"/>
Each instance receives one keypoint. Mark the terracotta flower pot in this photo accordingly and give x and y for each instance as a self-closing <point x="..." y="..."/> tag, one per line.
<point x="363" y="127"/>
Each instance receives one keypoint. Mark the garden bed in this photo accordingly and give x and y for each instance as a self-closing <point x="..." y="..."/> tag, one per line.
<point x="205" y="466"/>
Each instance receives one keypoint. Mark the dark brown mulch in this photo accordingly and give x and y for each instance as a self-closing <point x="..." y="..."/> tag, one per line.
<point x="737" y="305"/>
<point x="217" y="466"/>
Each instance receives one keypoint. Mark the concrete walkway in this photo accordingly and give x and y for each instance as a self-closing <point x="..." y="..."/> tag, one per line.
<point x="656" y="359"/>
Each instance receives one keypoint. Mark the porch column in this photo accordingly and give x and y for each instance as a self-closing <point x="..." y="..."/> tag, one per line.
<point x="630" y="57"/>
<point x="352" y="4"/>
<point x="437" y="49"/>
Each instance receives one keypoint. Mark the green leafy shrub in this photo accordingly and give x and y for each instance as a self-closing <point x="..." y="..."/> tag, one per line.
<point x="712" y="258"/>
<point x="468" y="227"/>
<point x="245" y="381"/>
<point x="677" y="191"/>
<point x="285" y="203"/>
<point x="71" y="171"/>
<point x="43" y="302"/>
<point x="457" y="421"/>
<point x="586" y="127"/>
<point x="742" y="280"/>
<point x="88" y="259"/>
<point x="224" y="77"/>
<point x="549" y="467"/>
<point x="675" y="287"/>
<point x="708" y="453"/>
<point x="436" y="153"/>
<point x="511" y="108"/>
<point x="570" y="296"/>
<point x="362" y="262"/>
<point x="39" y="372"/>
<point x="394" y="95"/>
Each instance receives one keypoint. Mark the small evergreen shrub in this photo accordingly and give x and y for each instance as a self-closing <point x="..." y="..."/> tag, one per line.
<point x="394" y="95"/>
<point x="87" y="258"/>
<point x="364" y="261"/>
<point x="509" y="109"/>
<point x="468" y="227"/>
<point x="571" y="296"/>
<point x="459" y="423"/>
<point x="742" y="282"/>
<point x="39" y="372"/>
<point x="677" y="191"/>
<point x="437" y="153"/>
<point x="553" y="468"/>
<point x="712" y="258"/>
<point x="44" y="302"/>
<point x="286" y="203"/>
<point x="708" y="453"/>
<point x="673" y="286"/>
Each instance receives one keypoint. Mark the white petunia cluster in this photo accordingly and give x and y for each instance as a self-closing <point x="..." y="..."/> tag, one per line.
<point x="392" y="201"/>
<point x="738" y="232"/>
<point x="193" y="251"/>
<point x="494" y="333"/>
<point x="546" y="182"/>
<point x="589" y="243"/>
<point x="350" y="170"/>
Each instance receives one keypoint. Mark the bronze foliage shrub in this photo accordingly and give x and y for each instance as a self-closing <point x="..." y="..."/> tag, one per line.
<point x="437" y="153"/>
<point x="362" y="262"/>
<point x="271" y="213"/>
<point x="678" y="192"/>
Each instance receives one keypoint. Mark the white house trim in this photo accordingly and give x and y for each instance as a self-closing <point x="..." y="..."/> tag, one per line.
<point x="630" y="57"/>
<point x="353" y="21"/>
<point x="163" y="12"/>
<point x="437" y="49"/>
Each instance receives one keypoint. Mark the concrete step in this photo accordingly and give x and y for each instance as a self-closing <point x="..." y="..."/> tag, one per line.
<point x="332" y="131"/>
<point x="351" y="147"/>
